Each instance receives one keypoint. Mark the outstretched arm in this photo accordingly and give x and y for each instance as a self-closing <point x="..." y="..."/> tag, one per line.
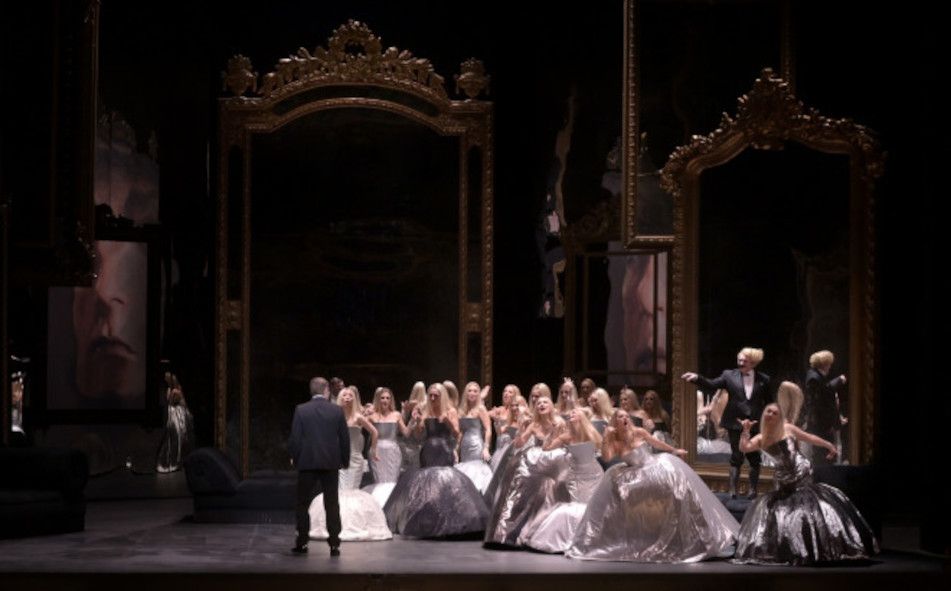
<point x="813" y="439"/>
<point x="748" y="445"/>
<point x="658" y="444"/>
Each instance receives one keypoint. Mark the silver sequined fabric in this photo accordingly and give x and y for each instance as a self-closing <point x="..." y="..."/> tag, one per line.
<point x="801" y="522"/>
<point x="653" y="508"/>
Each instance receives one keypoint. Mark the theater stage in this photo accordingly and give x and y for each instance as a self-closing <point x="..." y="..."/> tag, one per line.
<point x="152" y="544"/>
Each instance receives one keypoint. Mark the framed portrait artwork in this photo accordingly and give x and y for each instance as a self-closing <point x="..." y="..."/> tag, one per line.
<point x="103" y="340"/>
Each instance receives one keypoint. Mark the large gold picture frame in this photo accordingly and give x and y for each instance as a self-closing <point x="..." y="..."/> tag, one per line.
<point x="768" y="117"/>
<point x="353" y="71"/>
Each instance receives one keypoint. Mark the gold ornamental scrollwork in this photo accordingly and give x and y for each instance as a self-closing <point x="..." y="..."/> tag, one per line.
<point x="767" y="118"/>
<point x="355" y="63"/>
<point x="472" y="80"/>
<point x="354" y="54"/>
<point x="239" y="77"/>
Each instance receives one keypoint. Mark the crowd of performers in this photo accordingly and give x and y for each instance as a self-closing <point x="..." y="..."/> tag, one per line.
<point x="573" y="474"/>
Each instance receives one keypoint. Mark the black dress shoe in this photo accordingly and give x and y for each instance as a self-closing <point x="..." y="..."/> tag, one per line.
<point x="299" y="549"/>
<point x="335" y="551"/>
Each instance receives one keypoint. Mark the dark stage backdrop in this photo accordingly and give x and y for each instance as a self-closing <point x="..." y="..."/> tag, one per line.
<point x="354" y="261"/>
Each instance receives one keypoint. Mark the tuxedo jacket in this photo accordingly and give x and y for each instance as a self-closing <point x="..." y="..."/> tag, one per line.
<point x="822" y="413"/>
<point x="319" y="439"/>
<point x="737" y="406"/>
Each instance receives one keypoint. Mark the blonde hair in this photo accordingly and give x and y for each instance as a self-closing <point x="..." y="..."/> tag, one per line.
<point x="515" y="392"/>
<point x="753" y="355"/>
<point x="789" y="399"/>
<point x="586" y="431"/>
<point x="777" y="432"/>
<point x="543" y="388"/>
<point x="603" y="408"/>
<point x="444" y="402"/>
<point x="376" y="400"/>
<point x="464" y="407"/>
<point x="562" y="401"/>
<point x="821" y="359"/>
<point x="418" y="393"/>
<point x="658" y="412"/>
<point x="453" y="392"/>
<point x="355" y="406"/>
<point x="517" y="401"/>
<point x="632" y="396"/>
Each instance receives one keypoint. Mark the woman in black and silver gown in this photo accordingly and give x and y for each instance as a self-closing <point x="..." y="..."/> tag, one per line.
<point x="553" y="528"/>
<point x="436" y="500"/>
<point x="651" y="507"/>
<point x="801" y="522"/>
<point x="389" y="458"/>
<point x="476" y="437"/>
<point x="527" y="483"/>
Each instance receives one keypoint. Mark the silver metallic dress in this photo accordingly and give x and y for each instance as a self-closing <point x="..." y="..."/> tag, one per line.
<point x="554" y="527"/>
<point x="801" y="522"/>
<point x="387" y="467"/>
<point x="653" y="508"/>
<point x="360" y="514"/>
<point x="435" y="500"/>
<point x="470" y="453"/>
<point x="528" y="486"/>
<point x="176" y="441"/>
<point x="502" y="444"/>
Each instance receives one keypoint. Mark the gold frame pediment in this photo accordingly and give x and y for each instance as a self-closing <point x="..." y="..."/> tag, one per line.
<point x="768" y="117"/>
<point x="353" y="71"/>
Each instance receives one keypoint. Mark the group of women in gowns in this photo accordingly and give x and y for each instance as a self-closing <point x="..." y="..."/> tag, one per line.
<point x="594" y="483"/>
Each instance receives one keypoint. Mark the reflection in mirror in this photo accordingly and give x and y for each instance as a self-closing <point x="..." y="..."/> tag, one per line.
<point x="354" y="258"/>
<point x="773" y="249"/>
<point x="773" y="263"/>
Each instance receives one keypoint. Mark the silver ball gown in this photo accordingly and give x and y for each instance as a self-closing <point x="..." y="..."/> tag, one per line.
<point x="553" y="528"/>
<point x="528" y="485"/>
<point x="436" y="500"/>
<point x="801" y="522"/>
<point x="653" y="508"/>
<point x="470" y="453"/>
<point x="386" y="470"/>
<point x="360" y="514"/>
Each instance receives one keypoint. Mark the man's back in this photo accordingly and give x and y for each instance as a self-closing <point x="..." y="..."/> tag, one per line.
<point x="319" y="436"/>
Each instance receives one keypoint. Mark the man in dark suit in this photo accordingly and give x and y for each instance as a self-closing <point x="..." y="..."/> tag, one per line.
<point x="320" y="447"/>
<point x="749" y="394"/>
<point x="822" y="414"/>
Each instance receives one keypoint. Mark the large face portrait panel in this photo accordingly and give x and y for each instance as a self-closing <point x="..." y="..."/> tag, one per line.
<point x="98" y="345"/>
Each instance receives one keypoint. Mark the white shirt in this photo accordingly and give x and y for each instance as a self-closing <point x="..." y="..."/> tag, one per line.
<point x="748" y="384"/>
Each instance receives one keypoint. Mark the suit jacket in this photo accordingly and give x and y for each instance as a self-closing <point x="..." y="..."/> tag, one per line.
<point x="737" y="406"/>
<point x="821" y="411"/>
<point x="319" y="439"/>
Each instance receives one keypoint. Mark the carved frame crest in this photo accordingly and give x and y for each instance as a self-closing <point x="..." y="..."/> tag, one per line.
<point x="767" y="117"/>
<point x="355" y="59"/>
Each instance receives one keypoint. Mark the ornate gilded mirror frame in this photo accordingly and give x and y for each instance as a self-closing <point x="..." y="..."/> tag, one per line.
<point x="354" y="71"/>
<point x="768" y="117"/>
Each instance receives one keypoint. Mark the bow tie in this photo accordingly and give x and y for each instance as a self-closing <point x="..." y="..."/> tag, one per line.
<point x="747" y="374"/>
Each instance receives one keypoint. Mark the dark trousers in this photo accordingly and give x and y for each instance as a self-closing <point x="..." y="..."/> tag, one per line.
<point x="736" y="456"/>
<point x="310" y="483"/>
